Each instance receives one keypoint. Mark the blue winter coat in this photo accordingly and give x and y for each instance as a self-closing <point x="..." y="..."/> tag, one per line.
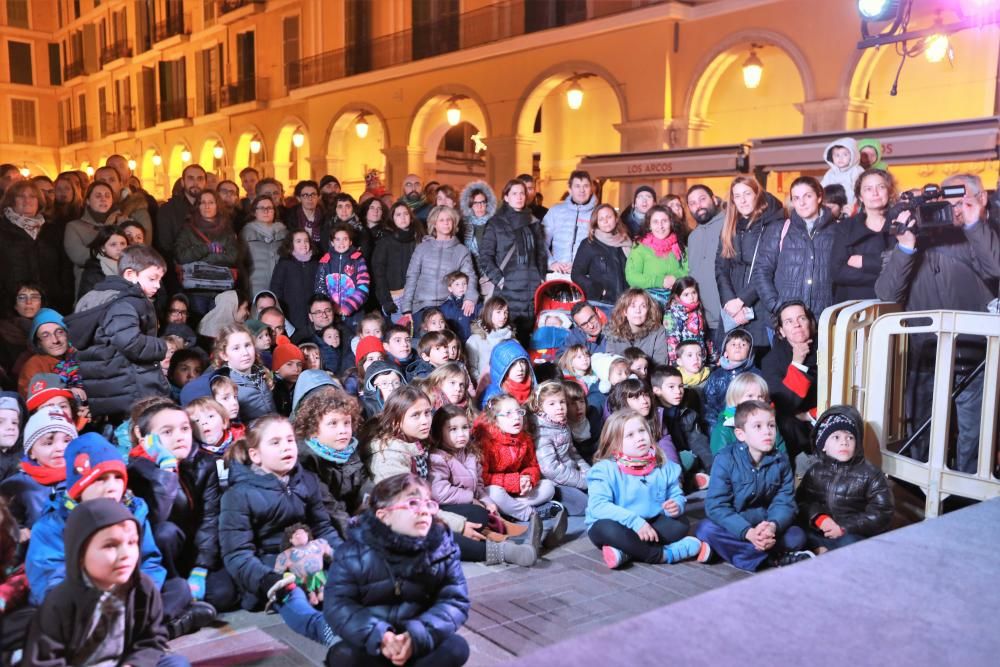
<point x="256" y="510"/>
<point x="457" y="320"/>
<point x="255" y="399"/>
<point x="381" y="580"/>
<point x="28" y="498"/>
<point x="741" y="495"/>
<point x="631" y="499"/>
<point x="718" y="382"/>
<point x="45" y="563"/>
<point x="501" y="359"/>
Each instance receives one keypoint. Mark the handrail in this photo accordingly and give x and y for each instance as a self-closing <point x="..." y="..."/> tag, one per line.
<point x="115" y="51"/>
<point x="76" y="135"/>
<point x="174" y="24"/>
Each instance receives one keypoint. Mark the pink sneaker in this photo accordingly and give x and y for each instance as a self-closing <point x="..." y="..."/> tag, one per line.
<point x="614" y="558"/>
<point x="705" y="553"/>
<point x="701" y="480"/>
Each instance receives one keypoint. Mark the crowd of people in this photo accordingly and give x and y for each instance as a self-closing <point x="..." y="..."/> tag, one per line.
<point x="320" y="405"/>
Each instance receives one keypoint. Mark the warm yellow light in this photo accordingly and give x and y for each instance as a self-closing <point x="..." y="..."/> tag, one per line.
<point x="255" y="146"/>
<point x="185" y="155"/>
<point x="90" y="171"/>
<point x="157" y="160"/>
<point x="361" y="126"/>
<point x="218" y="152"/>
<point x="298" y="139"/>
<point x="574" y="96"/>
<point x="936" y="48"/>
<point x="131" y="164"/>
<point x="454" y="114"/>
<point x="753" y="69"/>
<point x="25" y="172"/>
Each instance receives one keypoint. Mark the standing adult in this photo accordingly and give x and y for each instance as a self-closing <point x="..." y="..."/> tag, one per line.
<point x="391" y="258"/>
<point x="599" y="265"/>
<point x="568" y="222"/>
<point x="658" y="259"/>
<point x="751" y="210"/>
<point x="128" y="204"/>
<point x="478" y="204"/>
<point x="249" y="177"/>
<point x="635" y="214"/>
<point x="373" y="215"/>
<point x="31" y="250"/>
<point x="174" y="215"/>
<point x="329" y="188"/>
<point x="512" y="255"/>
<point x="795" y="258"/>
<point x="262" y="237"/>
<point x="98" y="211"/>
<point x="438" y="254"/>
<point x="68" y="203"/>
<point x="413" y="197"/>
<point x="208" y="239"/>
<point x="534" y="200"/>
<point x="862" y="240"/>
<point x="703" y="247"/>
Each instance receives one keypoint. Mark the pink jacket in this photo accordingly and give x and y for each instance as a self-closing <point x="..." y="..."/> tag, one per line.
<point x="456" y="479"/>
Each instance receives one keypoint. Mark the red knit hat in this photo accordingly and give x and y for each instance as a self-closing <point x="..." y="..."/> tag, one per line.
<point x="366" y="346"/>
<point x="284" y="353"/>
<point x="43" y="387"/>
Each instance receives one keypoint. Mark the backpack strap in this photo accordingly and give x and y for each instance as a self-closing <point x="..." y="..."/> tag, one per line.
<point x="784" y="233"/>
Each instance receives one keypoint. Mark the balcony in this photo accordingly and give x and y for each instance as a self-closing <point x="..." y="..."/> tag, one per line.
<point x="174" y="25"/>
<point x="115" y="51"/>
<point x="122" y="121"/>
<point x="76" y="135"/>
<point x="73" y="70"/>
<point x="244" y="90"/>
<point x="446" y="34"/>
<point x="226" y="6"/>
<point x="172" y="110"/>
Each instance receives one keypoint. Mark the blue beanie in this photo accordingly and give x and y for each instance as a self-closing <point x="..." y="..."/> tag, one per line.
<point x="87" y="458"/>
<point x="45" y="316"/>
<point x="200" y="387"/>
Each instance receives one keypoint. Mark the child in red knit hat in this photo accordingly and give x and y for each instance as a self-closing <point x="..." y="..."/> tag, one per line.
<point x="287" y="361"/>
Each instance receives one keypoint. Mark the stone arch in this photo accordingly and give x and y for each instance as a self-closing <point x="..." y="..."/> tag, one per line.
<point x="429" y="124"/>
<point x="206" y="158"/>
<point x="347" y="155"/>
<point x="291" y="163"/>
<point x="243" y="157"/>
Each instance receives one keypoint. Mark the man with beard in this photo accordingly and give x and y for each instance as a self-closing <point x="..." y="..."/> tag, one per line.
<point x="174" y="214"/>
<point x="329" y="188"/>
<point x="414" y="198"/>
<point x="703" y="245"/>
<point x="229" y="194"/>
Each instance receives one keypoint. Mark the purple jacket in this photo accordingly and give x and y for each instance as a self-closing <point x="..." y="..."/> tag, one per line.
<point x="456" y="479"/>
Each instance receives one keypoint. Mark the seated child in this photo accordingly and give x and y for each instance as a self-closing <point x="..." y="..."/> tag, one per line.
<point x="453" y="308"/>
<point x="684" y="317"/>
<point x="691" y="364"/>
<point x="636" y="503"/>
<point x="584" y="421"/>
<point x="636" y="394"/>
<point x="106" y="611"/>
<point x="369" y="351"/>
<point x="15" y="614"/>
<point x="750" y="505"/>
<point x="449" y="385"/>
<point x="397" y="540"/>
<point x="399" y="346"/>
<point x="185" y="365"/>
<point x="432" y="319"/>
<point x="737" y="357"/>
<point x="372" y="324"/>
<point x="381" y="379"/>
<point x="610" y="369"/>
<point x="843" y="498"/>
<point x="213" y="433"/>
<point x="263" y="340"/>
<point x="683" y="423"/>
<point x="433" y="351"/>
<point x="638" y="362"/>
<point x="286" y="363"/>
<point x="310" y="351"/>
<point x="845" y="166"/>
<point x="12" y="416"/>
<point x="744" y="387"/>
<point x="174" y="344"/>
<point x="510" y="373"/>
<point x="456" y="351"/>
<point x="575" y="362"/>
<point x="236" y="358"/>
<point x="333" y="358"/>
<point x="557" y="457"/>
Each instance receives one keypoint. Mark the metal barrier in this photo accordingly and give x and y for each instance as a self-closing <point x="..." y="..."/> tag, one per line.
<point x="883" y="390"/>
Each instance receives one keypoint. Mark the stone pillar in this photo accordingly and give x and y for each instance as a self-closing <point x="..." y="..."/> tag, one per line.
<point x="400" y="161"/>
<point x="506" y="158"/>
<point x="322" y="165"/>
<point x="642" y="135"/>
<point x="832" y="115"/>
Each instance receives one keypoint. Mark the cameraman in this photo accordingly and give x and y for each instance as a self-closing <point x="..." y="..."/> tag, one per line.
<point x="955" y="269"/>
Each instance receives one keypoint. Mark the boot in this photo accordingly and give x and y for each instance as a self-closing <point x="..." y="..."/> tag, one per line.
<point x="194" y="618"/>
<point x="524" y="555"/>
<point x="557" y="513"/>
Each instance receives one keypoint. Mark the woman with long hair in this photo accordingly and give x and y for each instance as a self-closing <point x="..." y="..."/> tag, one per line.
<point x="637" y="321"/>
<point x="599" y="265"/>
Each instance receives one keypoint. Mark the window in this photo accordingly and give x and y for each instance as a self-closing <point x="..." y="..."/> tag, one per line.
<point x="290" y="33"/>
<point x="55" y="73"/>
<point x="542" y="14"/>
<point x="22" y="115"/>
<point x="358" y="25"/>
<point x="17" y="13"/>
<point x="19" y="55"/>
<point x="435" y="27"/>
<point x="76" y="9"/>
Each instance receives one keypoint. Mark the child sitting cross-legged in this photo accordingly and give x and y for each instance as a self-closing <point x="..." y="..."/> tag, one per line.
<point x="750" y="503"/>
<point x="636" y="502"/>
<point x="843" y="497"/>
<point x="557" y="457"/>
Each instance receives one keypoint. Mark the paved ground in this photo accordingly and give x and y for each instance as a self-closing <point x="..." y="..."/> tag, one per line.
<point x="514" y="610"/>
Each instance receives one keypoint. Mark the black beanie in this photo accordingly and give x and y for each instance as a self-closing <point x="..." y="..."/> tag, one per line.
<point x="835" y="422"/>
<point x="644" y="188"/>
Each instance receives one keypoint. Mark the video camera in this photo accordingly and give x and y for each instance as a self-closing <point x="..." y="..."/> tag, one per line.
<point x="931" y="213"/>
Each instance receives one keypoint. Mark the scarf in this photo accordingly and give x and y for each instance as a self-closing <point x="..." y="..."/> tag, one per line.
<point x="210" y="227"/>
<point x="30" y="224"/>
<point x="421" y="462"/>
<point x="219" y="448"/>
<point x="730" y="365"/>
<point x="638" y="466"/>
<point x="97" y="216"/>
<point x="662" y="247"/>
<point x="413" y="204"/>
<point x="338" y="456"/>
<point x="68" y="369"/>
<point x="41" y="474"/>
<point x="108" y="266"/>
<point x="694" y="379"/>
<point x="614" y="240"/>
<point x="257" y="376"/>
<point x="312" y="226"/>
<point x="521" y="391"/>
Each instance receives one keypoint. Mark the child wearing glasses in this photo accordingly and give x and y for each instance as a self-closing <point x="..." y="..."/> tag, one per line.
<point x="396" y="589"/>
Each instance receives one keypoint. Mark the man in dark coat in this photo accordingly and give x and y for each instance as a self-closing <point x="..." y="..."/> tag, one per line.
<point x="173" y="215"/>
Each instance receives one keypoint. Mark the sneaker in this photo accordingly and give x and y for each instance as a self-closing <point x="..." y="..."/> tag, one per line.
<point x="701" y="480"/>
<point x="194" y="618"/>
<point x="614" y="558"/>
<point x="558" y="532"/>
<point x="704" y="554"/>
<point x="790" y="557"/>
<point x="683" y="549"/>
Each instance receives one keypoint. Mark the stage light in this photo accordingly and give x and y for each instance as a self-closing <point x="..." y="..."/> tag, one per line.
<point x="255" y="146"/>
<point x="877" y="10"/>
<point x="361" y="126"/>
<point x="453" y="113"/>
<point x="298" y="139"/>
<point x="753" y="70"/>
<point x="936" y="48"/>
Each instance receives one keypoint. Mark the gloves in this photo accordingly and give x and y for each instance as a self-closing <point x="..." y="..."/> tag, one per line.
<point x="160" y="455"/>
<point x="196" y="582"/>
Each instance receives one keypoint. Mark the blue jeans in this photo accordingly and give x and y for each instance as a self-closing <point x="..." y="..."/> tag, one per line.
<point x="815" y="540"/>
<point x="304" y="619"/>
<point x="968" y="412"/>
<point x="741" y="553"/>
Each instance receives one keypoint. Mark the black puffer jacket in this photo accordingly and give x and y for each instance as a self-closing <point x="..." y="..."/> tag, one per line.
<point x="256" y="510"/>
<point x="390" y="260"/>
<point x="41" y="261"/>
<point x="798" y="267"/>
<point x="732" y="274"/>
<point x="528" y="264"/>
<point x="292" y="282"/>
<point x="189" y="499"/>
<point x="381" y="580"/>
<point x="792" y="391"/>
<point x="122" y="363"/>
<point x="854" y="238"/>
<point x="854" y="493"/>
<point x="599" y="270"/>
<point x="342" y="484"/>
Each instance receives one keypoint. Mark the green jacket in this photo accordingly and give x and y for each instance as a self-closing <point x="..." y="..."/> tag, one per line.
<point x="644" y="269"/>
<point x="724" y="433"/>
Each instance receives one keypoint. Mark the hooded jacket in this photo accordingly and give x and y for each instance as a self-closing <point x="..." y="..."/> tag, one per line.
<point x="479" y="347"/>
<point x="719" y="380"/>
<point x="390" y="262"/>
<point x="292" y="284"/>
<point x="501" y="359"/>
<point x="61" y="628"/>
<point x="309" y="380"/>
<point x="843" y="176"/>
<point x="432" y="260"/>
<point x="10" y="458"/>
<point x="528" y="263"/>
<point x="255" y="399"/>
<point x="343" y="276"/>
<point x="223" y="314"/>
<point x="702" y="249"/>
<point x="343" y="485"/>
<point x="741" y="494"/>
<point x="371" y="399"/>
<point x="557" y="456"/>
<point x="255" y="511"/>
<point x="566" y="226"/>
<point x="381" y="580"/>
<point x="875" y="145"/>
<point x="262" y="242"/>
<point x="854" y="493"/>
<point x="123" y="362"/>
<point x="474" y="226"/>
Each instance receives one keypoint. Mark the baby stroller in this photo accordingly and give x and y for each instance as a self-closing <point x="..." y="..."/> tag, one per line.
<point x="553" y="299"/>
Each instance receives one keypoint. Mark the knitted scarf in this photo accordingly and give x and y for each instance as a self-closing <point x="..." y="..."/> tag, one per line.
<point x="31" y="224"/>
<point x="313" y="227"/>
<point x="109" y="267"/>
<point x="521" y="391"/>
<point x="68" y="369"/>
<point x="219" y="448"/>
<point x="339" y="456"/>
<point x="42" y="474"/>
<point x="638" y="466"/>
<point x="421" y="462"/>
<point x="413" y="204"/>
<point x="662" y="247"/>
<point x="212" y="228"/>
<point x="614" y="240"/>
<point x="97" y="216"/>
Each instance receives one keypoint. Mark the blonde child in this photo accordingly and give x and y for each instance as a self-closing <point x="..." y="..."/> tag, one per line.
<point x="457" y="485"/>
<point x="744" y="387"/>
<point x="449" y="385"/>
<point x="684" y="318"/>
<point x="557" y="457"/>
<point x="510" y="467"/>
<point x="636" y="394"/>
<point x="213" y="432"/>
<point x="576" y="362"/>
<point x="225" y="391"/>
<point x="236" y="358"/>
<point x="636" y="505"/>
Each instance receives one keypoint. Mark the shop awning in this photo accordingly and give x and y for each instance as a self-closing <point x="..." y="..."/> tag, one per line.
<point x="959" y="141"/>
<point x="726" y="160"/>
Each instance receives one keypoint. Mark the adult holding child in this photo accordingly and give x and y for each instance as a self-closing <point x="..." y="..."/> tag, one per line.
<point x="98" y="211"/>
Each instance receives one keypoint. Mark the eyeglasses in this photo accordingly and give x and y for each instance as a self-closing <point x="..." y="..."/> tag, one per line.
<point x="388" y="384"/>
<point x="26" y="298"/>
<point x="308" y="195"/>
<point x="266" y="209"/>
<point x="178" y="311"/>
<point x="416" y="504"/>
<point x="325" y="311"/>
<point x="593" y="319"/>
<point x="519" y="412"/>
<point x="479" y="202"/>
<point x="49" y="335"/>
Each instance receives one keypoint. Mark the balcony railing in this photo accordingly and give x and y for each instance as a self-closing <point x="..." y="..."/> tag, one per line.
<point x="115" y="51"/>
<point x="121" y="121"/>
<point x="226" y="6"/>
<point x="244" y="90"/>
<point x="76" y="135"/>
<point x="172" y="110"/>
<point x="173" y="25"/>
<point x="445" y="34"/>
<point x="72" y="70"/>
